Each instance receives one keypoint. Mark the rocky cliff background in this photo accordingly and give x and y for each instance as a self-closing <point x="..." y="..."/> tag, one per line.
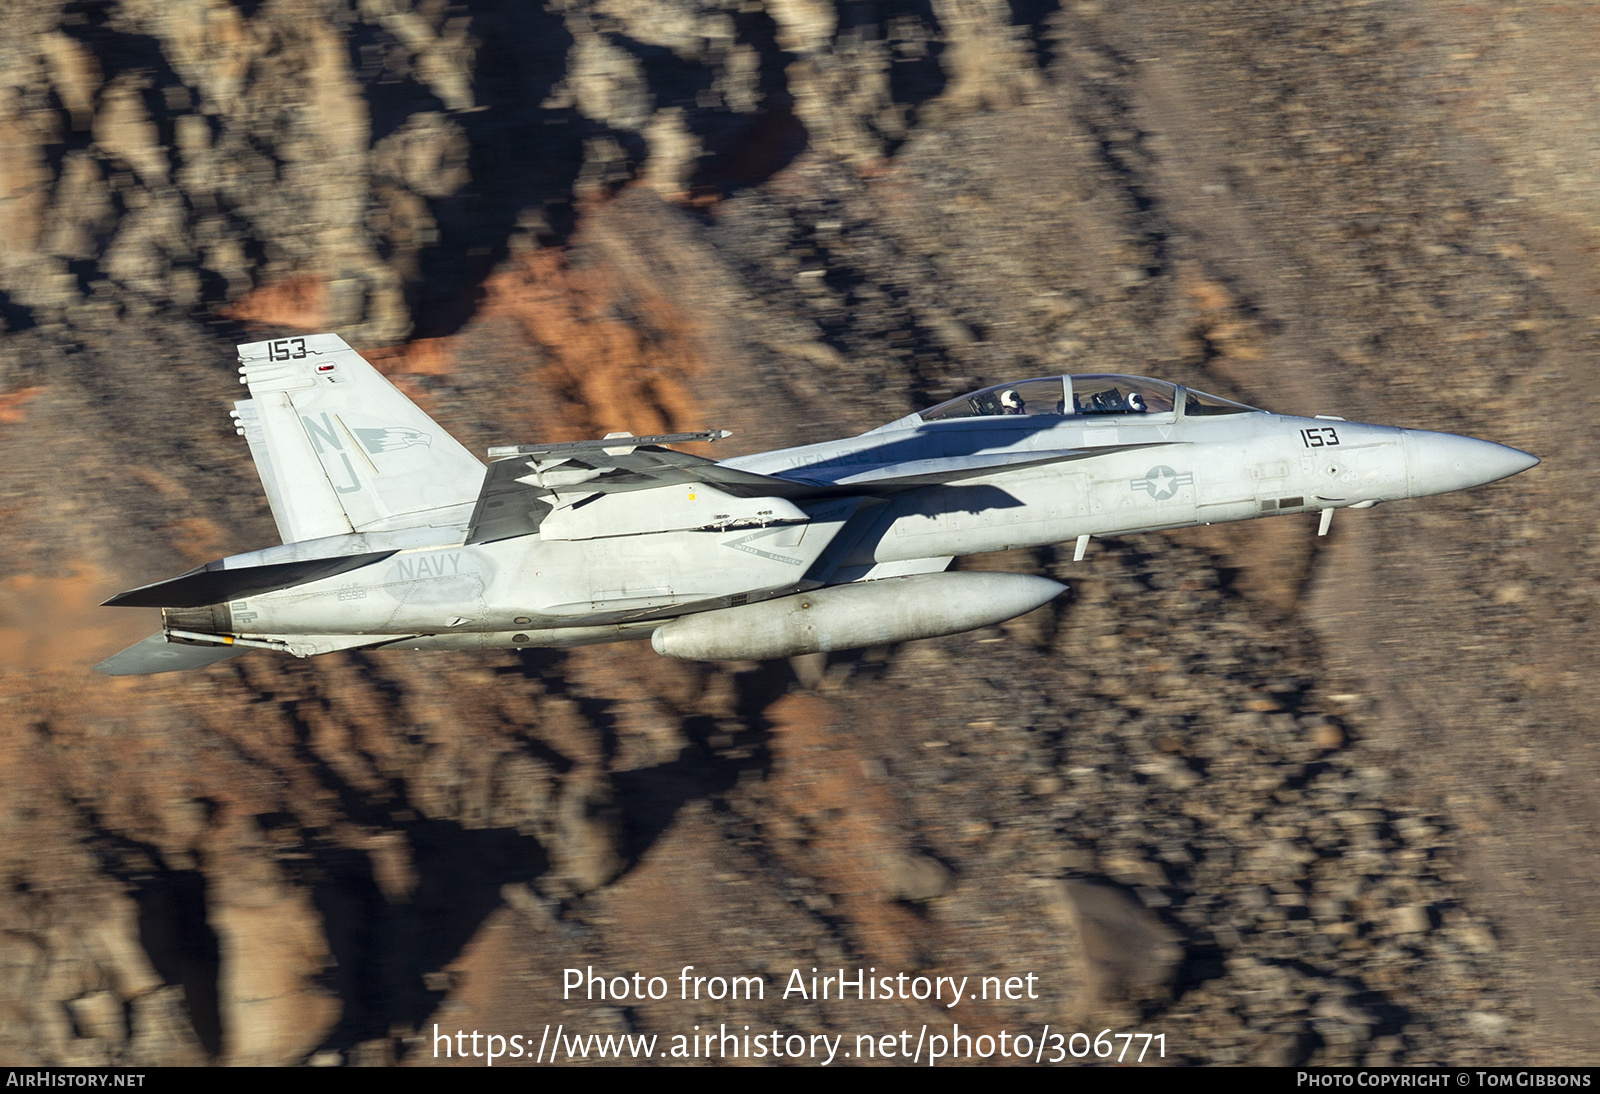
<point x="1282" y="799"/>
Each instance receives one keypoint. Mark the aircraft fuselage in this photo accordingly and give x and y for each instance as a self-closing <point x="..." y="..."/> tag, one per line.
<point x="824" y="546"/>
<point x="1137" y="474"/>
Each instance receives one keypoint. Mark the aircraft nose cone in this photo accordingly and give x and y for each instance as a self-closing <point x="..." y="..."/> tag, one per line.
<point x="1441" y="462"/>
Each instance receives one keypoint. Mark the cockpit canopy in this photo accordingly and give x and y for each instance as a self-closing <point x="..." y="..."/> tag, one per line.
<point x="1091" y="393"/>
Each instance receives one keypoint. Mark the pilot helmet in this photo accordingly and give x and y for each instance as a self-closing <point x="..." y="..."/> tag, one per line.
<point x="1136" y="403"/>
<point x="1011" y="400"/>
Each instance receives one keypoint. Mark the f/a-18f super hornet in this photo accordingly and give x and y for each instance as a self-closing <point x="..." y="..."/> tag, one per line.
<point x="397" y="537"/>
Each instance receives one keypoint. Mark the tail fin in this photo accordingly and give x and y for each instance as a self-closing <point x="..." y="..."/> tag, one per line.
<point x="340" y="450"/>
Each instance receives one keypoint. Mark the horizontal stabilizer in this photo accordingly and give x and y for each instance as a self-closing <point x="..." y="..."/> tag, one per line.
<point x="211" y="584"/>
<point x="155" y="654"/>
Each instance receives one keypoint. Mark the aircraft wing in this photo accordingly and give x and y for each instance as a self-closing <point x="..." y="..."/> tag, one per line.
<point x="521" y="490"/>
<point x="645" y="467"/>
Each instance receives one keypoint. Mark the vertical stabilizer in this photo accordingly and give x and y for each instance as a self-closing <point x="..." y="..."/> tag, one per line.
<point x="312" y="509"/>
<point x="340" y="450"/>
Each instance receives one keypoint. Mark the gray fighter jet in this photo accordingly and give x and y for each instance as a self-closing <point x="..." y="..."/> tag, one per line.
<point x="396" y="537"/>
